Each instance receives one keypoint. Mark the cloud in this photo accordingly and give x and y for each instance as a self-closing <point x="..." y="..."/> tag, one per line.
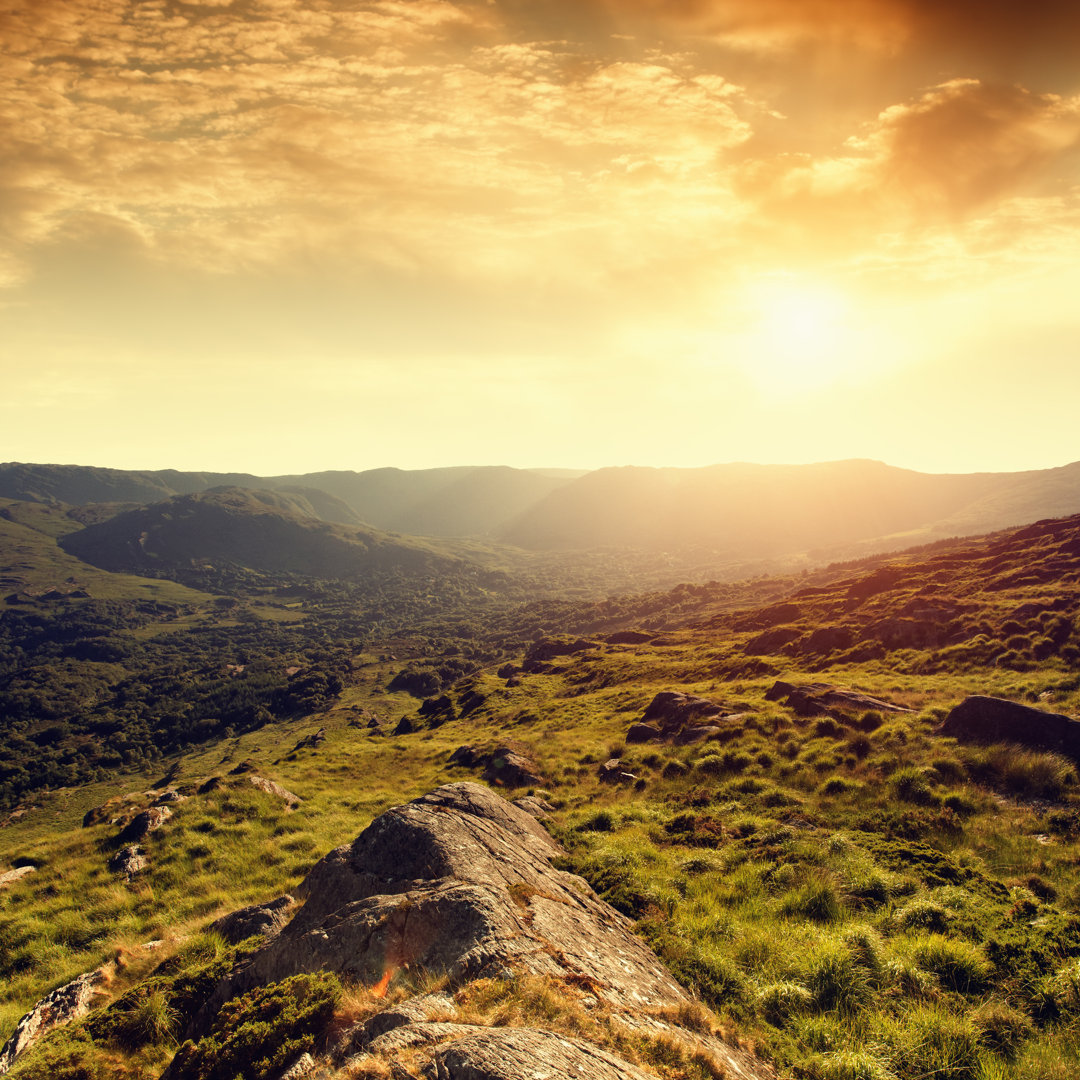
<point x="997" y="31"/>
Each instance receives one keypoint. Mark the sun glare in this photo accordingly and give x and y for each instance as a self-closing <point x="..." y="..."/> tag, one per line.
<point x="799" y="334"/>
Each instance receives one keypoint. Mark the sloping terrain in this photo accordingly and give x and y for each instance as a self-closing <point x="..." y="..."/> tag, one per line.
<point x="256" y="530"/>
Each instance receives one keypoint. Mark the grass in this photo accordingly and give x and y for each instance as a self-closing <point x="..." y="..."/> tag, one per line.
<point x="857" y="900"/>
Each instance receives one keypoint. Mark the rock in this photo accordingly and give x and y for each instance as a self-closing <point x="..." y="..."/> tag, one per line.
<point x="416" y="1010"/>
<point x="538" y="808"/>
<point x="247" y="765"/>
<point x="275" y="789"/>
<point x="642" y="733"/>
<point x="771" y="641"/>
<point x="508" y="671"/>
<point x="990" y="719"/>
<point x="612" y="772"/>
<point x="819" y="699"/>
<point x="404" y="726"/>
<point x="144" y="823"/>
<point x="168" y="797"/>
<point x="263" y="919"/>
<point x="313" y="741"/>
<point x="764" y="618"/>
<point x="826" y="639"/>
<point x="303" y="1066"/>
<point x="68" y="1003"/>
<point x="129" y="861"/>
<point x="440" y="709"/>
<point x="674" y="709"/>
<point x="628" y="637"/>
<point x="10" y="877"/>
<point x="465" y="755"/>
<point x="460" y="882"/>
<point x="212" y="784"/>
<point x="106" y="812"/>
<point x="508" y="766"/>
<point x="696" y="733"/>
<point x="540" y="652"/>
<point x="525" y="1054"/>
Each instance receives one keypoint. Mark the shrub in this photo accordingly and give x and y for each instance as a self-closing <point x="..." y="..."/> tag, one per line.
<point x="260" y="1034"/>
<point x="601" y="821"/>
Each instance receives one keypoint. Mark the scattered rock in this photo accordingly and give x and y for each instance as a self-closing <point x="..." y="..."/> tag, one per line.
<point x="990" y="719"/>
<point x="263" y="919"/>
<point x="824" y="699"/>
<point x="404" y="726"/>
<point x="106" y="812"/>
<point x="275" y="789"/>
<point x="642" y="733"/>
<point x="628" y="637"/>
<point x="695" y="733"/>
<point x="539" y="653"/>
<point x="771" y="641"/>
<point x="313" y="741"/>
<point x="674" y="708"/>
<point x="466" y="755"/>
<point x="168" y="797"/>
<point x="129" y="861"/>
<point x="63" y="1005"/>
<point x="303" y="1066"/>
<point x="10" y="877"/>
<point x="439" y="709"/>
<point x="508" y="766"/>
<point x="144" y="823"/>
<point x="613" y="772"/>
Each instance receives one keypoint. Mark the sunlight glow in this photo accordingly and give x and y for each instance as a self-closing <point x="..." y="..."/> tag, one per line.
<point x="800" y="334"/>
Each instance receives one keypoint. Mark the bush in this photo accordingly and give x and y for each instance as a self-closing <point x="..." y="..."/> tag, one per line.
<point x="262" y="1033"/>
<point x="923" y="914"/>
<point x="911" y="785"/>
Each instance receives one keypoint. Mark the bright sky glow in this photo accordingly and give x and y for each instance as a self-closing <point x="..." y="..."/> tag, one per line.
<point x="247" y="234"/>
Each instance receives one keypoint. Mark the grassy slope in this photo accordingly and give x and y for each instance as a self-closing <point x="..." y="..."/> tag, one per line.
<point x="32" y="560"/>
<point x="863" y="900"/>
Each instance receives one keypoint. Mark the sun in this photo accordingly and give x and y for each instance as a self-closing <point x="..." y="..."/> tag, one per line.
<point x="798" y="334"/>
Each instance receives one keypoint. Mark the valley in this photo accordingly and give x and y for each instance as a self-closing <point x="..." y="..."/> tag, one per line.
<point x="755" y="769"/>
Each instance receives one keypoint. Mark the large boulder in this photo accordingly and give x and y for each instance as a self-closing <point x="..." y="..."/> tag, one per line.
<point x="63" y="1005"/>
<point x="263" y="920"/>
<point x="990" y="719"/>
<point x="460" y="882"/>
<point x="824" y="699"/>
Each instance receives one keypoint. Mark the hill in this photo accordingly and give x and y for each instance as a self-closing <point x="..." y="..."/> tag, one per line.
<point x="264" y="531"/>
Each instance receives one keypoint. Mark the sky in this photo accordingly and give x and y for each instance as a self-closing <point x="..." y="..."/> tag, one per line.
<point x="287" y="235"/>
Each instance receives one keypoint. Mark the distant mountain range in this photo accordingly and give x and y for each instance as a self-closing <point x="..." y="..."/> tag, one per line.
<point x="726" y="512"/>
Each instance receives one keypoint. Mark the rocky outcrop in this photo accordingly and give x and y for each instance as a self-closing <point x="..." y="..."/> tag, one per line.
<point x="505" y="766"/>
<point x="265" y="920"/>
<point x="10" y="877"/>
<point x="461" y="882"/>
<point x="129" y="861"/>
<point x="144" y="823"/>
<point x="614" y="771"/>
<point x="990" y="719"/>
<point x="675" y="717"/>
<point x="68" y="1003"/>
<point x="273" y="788"/>
<point x="539" y="655"/>
<point x="824" y="699"/>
